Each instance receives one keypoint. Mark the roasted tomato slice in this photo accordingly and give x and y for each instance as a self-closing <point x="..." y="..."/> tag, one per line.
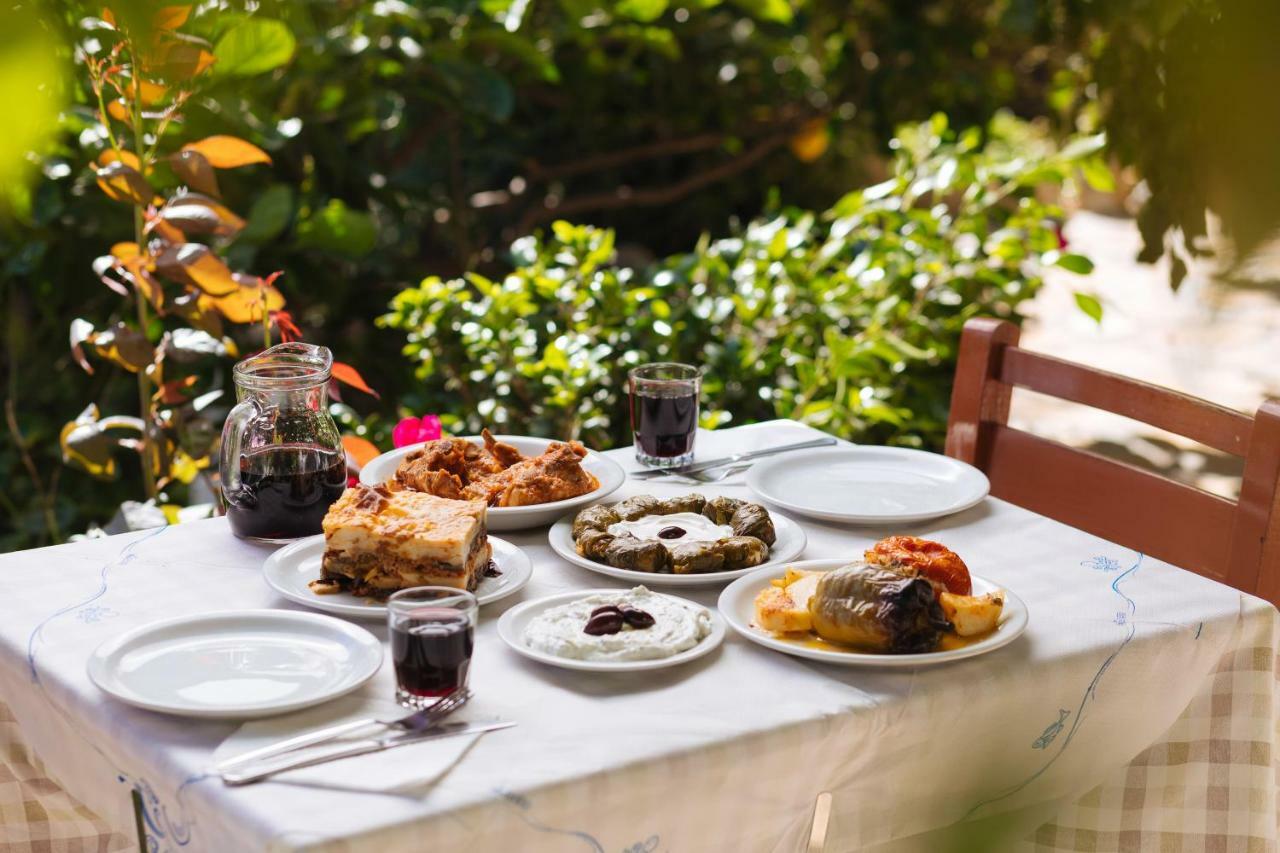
<point x="932" y="560"/>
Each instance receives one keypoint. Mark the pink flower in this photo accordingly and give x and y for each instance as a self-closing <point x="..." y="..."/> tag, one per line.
<point x="416" y="430"/>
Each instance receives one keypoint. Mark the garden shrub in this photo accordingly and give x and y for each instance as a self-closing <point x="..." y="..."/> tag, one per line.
<point x="847" y="320"/>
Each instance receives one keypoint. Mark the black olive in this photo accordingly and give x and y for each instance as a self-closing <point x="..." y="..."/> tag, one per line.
<point x="637" y="618"/>
<point x="603" y="623"/>
<point x="608" y="608"/>
<point x="671" y="532"/>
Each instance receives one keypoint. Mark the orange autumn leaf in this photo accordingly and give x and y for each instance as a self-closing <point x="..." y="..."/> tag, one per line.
<point x="361" y="450"/>
<point x="170" y="17"/>
<point x="125" y="183"/>
<point x="247" y="304"/>
<point x="117" y="110"/>
<point x="125" y="252"/>
<point x="195" y="170"/>
<point x="110" y="156"/>
<point x="348" y="375"/>
<point x="228" y="152"/>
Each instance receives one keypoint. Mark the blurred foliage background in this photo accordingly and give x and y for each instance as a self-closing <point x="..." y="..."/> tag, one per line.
<point x="414" y="141"/>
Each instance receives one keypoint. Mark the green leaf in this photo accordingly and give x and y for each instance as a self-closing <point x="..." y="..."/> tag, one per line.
<point x="480" y="89"/>
<point x="778" y="11"/>
<point x="269" y="215"/>
<point x="642" y="10"/>
<point x="1090" y="305"/>
<point x="1098" y="174"/>
<point x="1078" y="264"/>
<point x="337" y="228"/>
<point x="254" y="46"/>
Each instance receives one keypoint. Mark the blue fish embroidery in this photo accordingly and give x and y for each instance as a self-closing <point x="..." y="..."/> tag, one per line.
<point x="1052" y="730"/>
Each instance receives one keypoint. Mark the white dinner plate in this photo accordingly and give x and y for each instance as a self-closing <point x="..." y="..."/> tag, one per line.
<point x="289" y="570"/>
<point x="789" y="545"/>
<point x="609" y="473"/>
<point x="237" y="663"/>
<point x="868" y="485"/>
<point x="511" y="626"/>
<point x="737" y="605"/>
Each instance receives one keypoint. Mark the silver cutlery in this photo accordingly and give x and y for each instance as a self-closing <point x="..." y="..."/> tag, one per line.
<point x="713" y="476"/>
<point x="258" y="772"/>
<point x="416" y="722"/>
<point x="699" y="467"/>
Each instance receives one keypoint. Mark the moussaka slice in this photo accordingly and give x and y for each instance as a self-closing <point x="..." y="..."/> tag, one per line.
<point x="378" y="541"/>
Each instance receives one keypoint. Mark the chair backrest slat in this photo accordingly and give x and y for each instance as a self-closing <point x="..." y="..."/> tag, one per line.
<point x="1113" y="500"/>
<point x="1237" y="542"/>
<point x="1211" y="425"/>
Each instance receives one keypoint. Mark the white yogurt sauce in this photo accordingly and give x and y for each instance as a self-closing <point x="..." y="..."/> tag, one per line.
<point x="677" y="626"/>
<point x="697" y="528"/>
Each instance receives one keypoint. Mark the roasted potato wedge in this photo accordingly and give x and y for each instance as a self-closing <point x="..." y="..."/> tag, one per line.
<point x="971" y="615"/>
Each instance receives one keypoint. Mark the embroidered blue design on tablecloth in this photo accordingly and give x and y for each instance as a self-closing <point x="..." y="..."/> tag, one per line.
<point x="1101" y="564"/>
<point x="1131" y="607"/>
<point x="522" y="805"/>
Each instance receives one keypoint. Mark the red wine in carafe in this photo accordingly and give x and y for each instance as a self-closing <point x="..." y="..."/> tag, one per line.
<point x="285" y="490"/>
<point x="431" y="650"/>
<point x="664" y="424"/>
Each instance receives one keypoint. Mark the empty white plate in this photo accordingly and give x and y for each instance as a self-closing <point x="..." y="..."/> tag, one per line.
<point x="737" y="605"/>
<point x="289" y="570"/>
<point x="512" y="624"/>
<point x="868" y="485"/>
<point x="236" y="664"/>
<point x="609" y="473"/>
<point x="790" y="543"/>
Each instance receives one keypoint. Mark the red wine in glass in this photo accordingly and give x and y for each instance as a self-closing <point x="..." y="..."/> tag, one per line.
<point x="664" y="412"/>
<point x="285" y="490"/>
<point x="431" y="648"/>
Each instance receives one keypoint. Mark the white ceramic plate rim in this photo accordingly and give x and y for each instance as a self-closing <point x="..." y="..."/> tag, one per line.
<point x="513" y="562"/>
<point x="610" y="474"/>
<point x="560" y="537"/>
<point x="508" y="623"/>
<point x="741" y="594"/>
<point x="758" y="472"/>
<point x="101" y="674"/>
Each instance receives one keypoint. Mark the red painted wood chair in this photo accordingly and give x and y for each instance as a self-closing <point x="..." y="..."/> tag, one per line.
<point x="1236" y="542"/>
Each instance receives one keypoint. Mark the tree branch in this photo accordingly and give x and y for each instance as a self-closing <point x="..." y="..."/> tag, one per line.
<point x="653" y="197"/>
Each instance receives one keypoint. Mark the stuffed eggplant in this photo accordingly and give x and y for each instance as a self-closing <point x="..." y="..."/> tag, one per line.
<point x="876" y="610"/>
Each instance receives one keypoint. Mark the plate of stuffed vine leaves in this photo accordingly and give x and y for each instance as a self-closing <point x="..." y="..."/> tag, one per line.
<point x="687" y="540"/>
<point x="905" y="602"/>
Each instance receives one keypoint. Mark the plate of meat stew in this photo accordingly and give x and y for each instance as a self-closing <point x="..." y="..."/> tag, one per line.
<point x="527" y="481"/>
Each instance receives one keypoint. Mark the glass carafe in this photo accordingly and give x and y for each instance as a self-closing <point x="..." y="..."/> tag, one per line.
<point x="282" y="458"/>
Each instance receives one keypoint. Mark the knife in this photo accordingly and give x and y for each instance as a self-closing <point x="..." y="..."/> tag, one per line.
<point x="415" y="722"/>
<point x="293" y="761"/>
<point x="651" y="473"/>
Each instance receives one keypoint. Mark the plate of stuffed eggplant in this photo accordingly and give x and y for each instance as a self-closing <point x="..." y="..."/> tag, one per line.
<point x="905" y="602"/>
<point x="689" y="540"/>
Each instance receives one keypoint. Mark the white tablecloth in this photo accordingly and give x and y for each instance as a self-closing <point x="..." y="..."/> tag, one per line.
<point x="1139" y="711"/>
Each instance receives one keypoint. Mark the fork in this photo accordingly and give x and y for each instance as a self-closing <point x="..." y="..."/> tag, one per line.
<point x="713" y="476"/>
<point x="416" y="722"/>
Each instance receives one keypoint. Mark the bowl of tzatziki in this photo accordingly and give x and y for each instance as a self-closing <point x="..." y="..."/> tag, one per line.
<point x="608" y="630"/>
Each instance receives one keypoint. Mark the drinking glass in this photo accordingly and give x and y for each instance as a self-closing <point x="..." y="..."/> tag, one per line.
<point x="664" y="412"/>
<point x="432" y="633"/>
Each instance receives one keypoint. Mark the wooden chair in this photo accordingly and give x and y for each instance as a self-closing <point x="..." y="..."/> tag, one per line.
<point x="1236" y="542"/>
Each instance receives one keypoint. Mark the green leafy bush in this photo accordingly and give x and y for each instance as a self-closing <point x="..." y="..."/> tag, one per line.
<point x="847" y="320"/>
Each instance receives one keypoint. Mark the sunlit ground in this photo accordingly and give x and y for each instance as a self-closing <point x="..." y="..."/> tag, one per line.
<point x="1210" y="339"/>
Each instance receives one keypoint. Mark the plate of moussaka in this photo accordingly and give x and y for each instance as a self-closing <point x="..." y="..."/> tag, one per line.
<point x="378" y="540"/>
<point x="525" y="482"/>
<point x="689" y="540"/>
<point x="904" y="602"/>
